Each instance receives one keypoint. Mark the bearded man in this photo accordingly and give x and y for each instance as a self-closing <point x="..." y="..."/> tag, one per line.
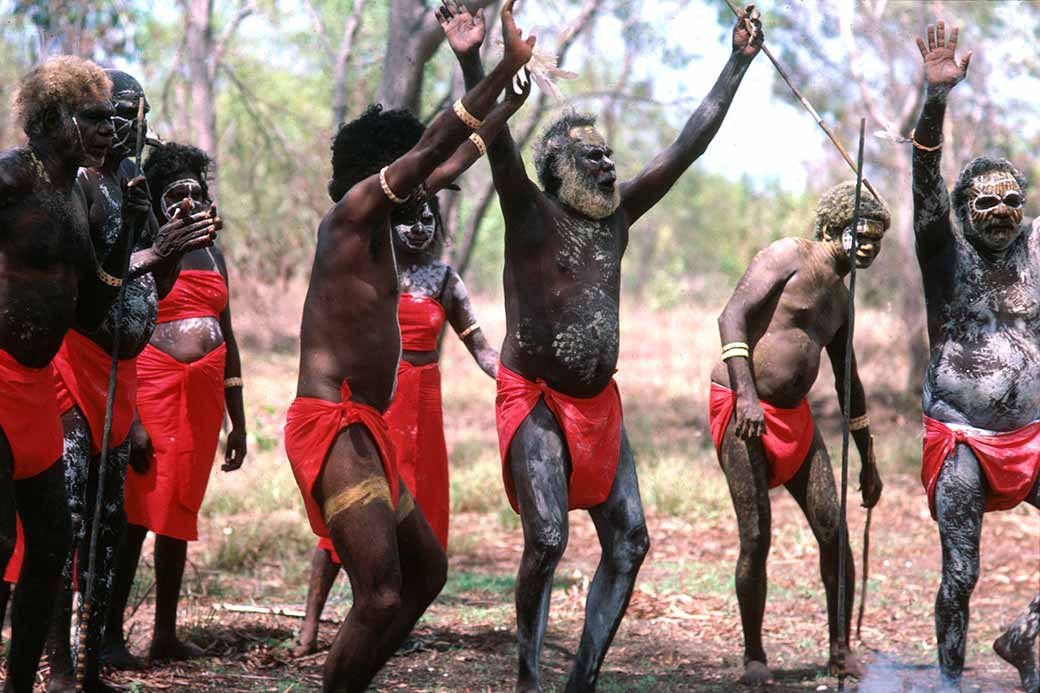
<point x="83" y="366"/>
<point x="981" y="396"/>
<point x="336" y="439"/>
<point x="789" y="306"/>
<point x="561" y="434"/>
<point x="49" y="280"/>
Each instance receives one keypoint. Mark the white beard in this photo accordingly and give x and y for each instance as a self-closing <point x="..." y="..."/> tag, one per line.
<point x="582" y="195"/>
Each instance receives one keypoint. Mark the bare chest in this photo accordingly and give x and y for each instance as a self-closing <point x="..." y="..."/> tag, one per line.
<point x="44" y="230"/>
<point x="585" y="250"/>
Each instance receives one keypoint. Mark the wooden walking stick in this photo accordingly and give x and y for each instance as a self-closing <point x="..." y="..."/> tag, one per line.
<point x="87" y="597"/>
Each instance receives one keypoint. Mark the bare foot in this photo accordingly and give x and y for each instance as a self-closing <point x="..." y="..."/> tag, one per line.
<point x="173" y="649"/>
<point x="116" y="655"/>
<point x="302" y="648"/>
<point x="1019" y="653"/>
<point x="756" y="674"/>
<point x="851" y="667"/>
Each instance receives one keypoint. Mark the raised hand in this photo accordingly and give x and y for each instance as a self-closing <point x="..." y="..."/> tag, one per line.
<point x="137" y="200"/>
<point x="747" y="33"/>
<point x="518" y="50"/>
<point x="183" y="234"/>
<point x="519" y="90"/>
<point x="941" y="68"/>
<point x="465" y="32"/>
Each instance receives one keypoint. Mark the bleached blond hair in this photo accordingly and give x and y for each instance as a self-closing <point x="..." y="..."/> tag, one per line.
<point x="63" y="80"/>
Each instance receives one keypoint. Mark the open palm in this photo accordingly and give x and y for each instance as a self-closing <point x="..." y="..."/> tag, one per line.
<point x="464" y="31"/>
<point x="940" y="62"/>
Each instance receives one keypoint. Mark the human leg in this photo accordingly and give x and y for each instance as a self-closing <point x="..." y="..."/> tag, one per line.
<point x="171" y="555"/>
<point x="114" y="651"/>
<point x="960" y="499"/>
<point x="43" y="510"/>
<point x="747" y="475"/>
<point x="624" y="542"/>
<point x="323" y="575"/>
<point x="8" y="521"/>
<point x="540" y="466"/>
<point x="816" y="492"/>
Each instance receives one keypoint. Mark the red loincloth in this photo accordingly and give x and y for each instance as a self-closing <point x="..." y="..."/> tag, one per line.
<point x="416" y="424"/>
<point x="14" y="566"/>
<point x="181" y="406"/>
<point x="1009" y="459"/>
<point x="788" y="436"/>
<point x="82" y="369"/>
<point x="311" y="426"/>
<point x="590" y="425"/>
<point x="29" y="416"/>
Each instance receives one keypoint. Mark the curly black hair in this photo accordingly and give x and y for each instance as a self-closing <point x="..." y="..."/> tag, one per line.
<point x="553" y="141"/>
<point x="368" y="143"/>
<point x="172" y="161"/>
<point x="976" y="167"/>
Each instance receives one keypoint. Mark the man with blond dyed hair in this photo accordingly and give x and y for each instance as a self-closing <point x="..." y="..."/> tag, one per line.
<point x="50" y="279"/>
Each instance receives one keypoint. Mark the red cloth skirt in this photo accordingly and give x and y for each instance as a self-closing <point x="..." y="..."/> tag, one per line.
<point x="82" y="368"/>
<point x="14" y="566"/>
<point x="590" y="425"/>
<point x="788" y="436"/>
<point x="1009" y="459"/>
<point x="311" y="426"/>
<point x="416" y="423"/>
<point x="29" y="416"/>
<point x="181" y="406"/>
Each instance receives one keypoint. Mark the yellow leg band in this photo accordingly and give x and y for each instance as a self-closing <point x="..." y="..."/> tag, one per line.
<point x="405" y="504"/>
<point x="371" y="490"/>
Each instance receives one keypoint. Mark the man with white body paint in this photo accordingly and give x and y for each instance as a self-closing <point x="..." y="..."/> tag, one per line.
<point x="981" y="396"/>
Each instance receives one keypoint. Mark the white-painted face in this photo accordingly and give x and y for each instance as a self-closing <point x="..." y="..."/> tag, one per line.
<point x="995" y="202"/>
<point x="180" y="190"/>
<point x="415" y="232"/>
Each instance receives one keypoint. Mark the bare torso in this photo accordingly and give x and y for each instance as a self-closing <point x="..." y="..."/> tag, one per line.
<point x="984" y="329"/>
<point x="349" y="329"/>
<point x="788" y="334"/>
<point x="189" y="339"/>
<point x="562" y="294"/>
<point x="44" y="248"/>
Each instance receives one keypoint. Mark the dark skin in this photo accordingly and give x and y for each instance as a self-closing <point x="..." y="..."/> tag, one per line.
<point x="186" y="340"/>
<point x="789" y="306"/>
<point x="48" y="282"/>
<point x="421" y="274"/>
<point x="153" y="268"/>
<point x="982" y="296"/>
<point x="562" y="289"/>
<point x="350" y="332"/>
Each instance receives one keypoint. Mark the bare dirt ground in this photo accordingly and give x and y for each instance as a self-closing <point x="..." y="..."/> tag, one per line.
<point x="682" y="631"/>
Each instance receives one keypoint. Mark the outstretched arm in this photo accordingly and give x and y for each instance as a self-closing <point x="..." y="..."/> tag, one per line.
<point x="942" y="73"/>
<point x="869" y="478"/>
<point x="517" y="193"/>
<point x="764" y="279"/>
<point x="466" y="155"/>
<point x="370" y="200"/>
<point x="464" y="321"/>
<point x="172" y="241"/>
<point x="646" y="189"/>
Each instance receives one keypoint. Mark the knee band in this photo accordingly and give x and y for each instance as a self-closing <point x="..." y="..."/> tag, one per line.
<point x="371" y="490"/>
<point x="405" y="504"/>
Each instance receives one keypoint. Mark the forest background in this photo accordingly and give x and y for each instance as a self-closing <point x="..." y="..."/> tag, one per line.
<point x="262" y="84"/>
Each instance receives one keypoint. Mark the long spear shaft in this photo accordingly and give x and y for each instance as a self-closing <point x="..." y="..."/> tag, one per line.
<point x="847" y="403"/>
<point x="88" y="596"/>
<point x="809" y="107"/>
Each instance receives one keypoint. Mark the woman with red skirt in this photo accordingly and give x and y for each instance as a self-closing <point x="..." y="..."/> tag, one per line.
<point x="432" y="293"/>
<point x="186" y="375"/>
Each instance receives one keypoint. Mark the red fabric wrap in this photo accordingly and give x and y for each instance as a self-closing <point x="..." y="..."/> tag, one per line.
<point x="14" y="566"/>
<point x="421" y="319"/>
<point x="325" y="544"/>
<point x="195" y="294"/>
<point x="1009" y="459"/>
<point x="788" y="436"/>
<point x="590" y="425"/>
<point x="29" y="416"/>
<point x="81" y="369"/>
<point x="416" y="423"/>
<point x="181" y="406"/>
<point x="311" y="426"/>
